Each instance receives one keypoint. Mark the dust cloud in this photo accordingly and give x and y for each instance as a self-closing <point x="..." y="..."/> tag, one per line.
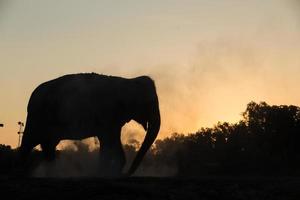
<point x="81" y="159"/>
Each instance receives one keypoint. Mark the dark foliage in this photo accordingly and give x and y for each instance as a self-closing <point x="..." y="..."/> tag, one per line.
<point x="265" y="142"/>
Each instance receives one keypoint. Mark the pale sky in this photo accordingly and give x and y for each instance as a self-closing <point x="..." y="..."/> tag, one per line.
<point x="208" y="58"/>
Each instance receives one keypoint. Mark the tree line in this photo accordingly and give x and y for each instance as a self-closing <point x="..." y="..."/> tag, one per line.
<point x="265" y="142"/>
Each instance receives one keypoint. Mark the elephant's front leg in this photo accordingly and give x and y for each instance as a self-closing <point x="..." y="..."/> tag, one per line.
<point x="112" y="156"/>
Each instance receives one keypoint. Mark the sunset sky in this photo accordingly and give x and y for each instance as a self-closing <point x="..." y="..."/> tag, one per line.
<point x="208" y="58"/>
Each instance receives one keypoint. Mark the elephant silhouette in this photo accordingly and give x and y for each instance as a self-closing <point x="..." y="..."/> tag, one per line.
<point x="77" y="106"/>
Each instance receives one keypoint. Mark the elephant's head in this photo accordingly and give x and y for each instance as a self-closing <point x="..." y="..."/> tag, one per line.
<point x="146" y="112"/>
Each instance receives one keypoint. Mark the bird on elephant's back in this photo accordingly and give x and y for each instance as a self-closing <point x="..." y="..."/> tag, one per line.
<point x="78" y="106"/>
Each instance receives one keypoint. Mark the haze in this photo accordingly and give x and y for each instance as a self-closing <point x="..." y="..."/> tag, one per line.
<point x="208" y="58"/>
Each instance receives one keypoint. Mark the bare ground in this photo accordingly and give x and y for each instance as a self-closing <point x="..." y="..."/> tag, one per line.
<point x="151" y="188"/>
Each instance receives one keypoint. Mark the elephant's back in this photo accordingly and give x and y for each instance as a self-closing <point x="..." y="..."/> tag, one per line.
<point x="76" y="94"/>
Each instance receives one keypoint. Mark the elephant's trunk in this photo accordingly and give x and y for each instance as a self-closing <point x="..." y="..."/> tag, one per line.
<point x="153" y="129"/>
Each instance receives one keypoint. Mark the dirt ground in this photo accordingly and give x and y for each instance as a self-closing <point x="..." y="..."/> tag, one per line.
<point x="151" y="188"/>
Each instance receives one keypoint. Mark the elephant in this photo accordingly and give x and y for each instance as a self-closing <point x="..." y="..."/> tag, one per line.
<point x="77" y="106"/>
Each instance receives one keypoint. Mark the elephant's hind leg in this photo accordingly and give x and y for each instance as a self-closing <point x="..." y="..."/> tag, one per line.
<point x="23" y="163"/>
<point x="27" y="145"/>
